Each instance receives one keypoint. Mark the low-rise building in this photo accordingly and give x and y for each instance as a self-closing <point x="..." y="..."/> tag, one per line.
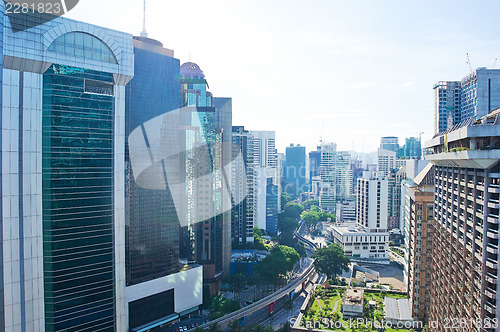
<point x="352" y="303"/>
<point x="346" y="211"/>
<point x="359" y="242"/>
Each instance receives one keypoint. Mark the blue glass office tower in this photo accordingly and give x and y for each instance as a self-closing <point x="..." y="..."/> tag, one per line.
<point x="314" y="165"/>
<point x="272" y="207"/>
<point x="2" y="312"/>
<point x="295" y="169"/>
<point x="62" y="176"/>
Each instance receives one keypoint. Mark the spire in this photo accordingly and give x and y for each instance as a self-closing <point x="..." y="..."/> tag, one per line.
<point x="144" y="33"/>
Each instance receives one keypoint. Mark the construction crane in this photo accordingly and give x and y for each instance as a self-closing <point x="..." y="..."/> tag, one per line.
<point x="468" y="62"/>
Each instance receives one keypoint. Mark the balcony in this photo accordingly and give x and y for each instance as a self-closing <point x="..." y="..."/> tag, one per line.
<point x="489" y="308"/>
<point x="494" y="189"/>
<point x="493" y="219"/>
<point x="493" y="204"/>
<point x="492" y="249"/>
<point x="491" y="263"/>
<point x="492" y="234"/>
<point x="491" y="293"/>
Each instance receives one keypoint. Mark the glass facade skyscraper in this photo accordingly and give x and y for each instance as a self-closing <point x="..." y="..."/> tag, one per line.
<point x="62" y="157"/>
<point x="295" y="169"/>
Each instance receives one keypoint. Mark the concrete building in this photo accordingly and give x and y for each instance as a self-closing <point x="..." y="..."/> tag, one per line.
<point x="371" y="207"/>
<point x="346" y="211"/>
<point x="266" y="167"/>
<point x="62" y="158"/>
<point x="394" y="180"/>
<point x="328" y="174"/>
<point x="359" y="243"/>
<point x="353" y="303"/>
<point x="421" y="207"/>
<point x="446" y="105"/>
<point x="314" y="165"/>
<point x="386" y="161"/>
<point x="464" y="266"/>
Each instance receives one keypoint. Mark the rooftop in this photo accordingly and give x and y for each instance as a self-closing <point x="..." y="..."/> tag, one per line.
<point x="353" y="297"/>
<point x="397" y="309"/>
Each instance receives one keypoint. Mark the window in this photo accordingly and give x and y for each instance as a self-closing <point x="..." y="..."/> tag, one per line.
<point x="83" y="45"/>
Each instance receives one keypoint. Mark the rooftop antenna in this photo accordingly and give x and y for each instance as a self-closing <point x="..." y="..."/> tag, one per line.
<point x="144" y="33"/>
<point x="468" y="62"/>
<point x="494" y="63"/>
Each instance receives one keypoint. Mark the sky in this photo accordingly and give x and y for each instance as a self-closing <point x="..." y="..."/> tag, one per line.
<point x="347" y="72"/>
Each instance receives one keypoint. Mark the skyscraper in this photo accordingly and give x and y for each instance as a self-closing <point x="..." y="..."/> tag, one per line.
<point x="156" y="287"/>
<point x="446" y="105"/>
<point x="412" y="148"/>
<point x="242" y="221"/>
<point x="265" y="167"/>
<point x="295" y="170"/>
<point x="464" y="267"/>
<point x="344" y="176"/>
<point x="63" y="175"/>
<point x="471" y="98"/>
<point x="390" y="143"/>
<point x="314" y="165"/>
<point x="206" y="236"/>
<point x="371" y="209"/>
<point x="328" y="173"/>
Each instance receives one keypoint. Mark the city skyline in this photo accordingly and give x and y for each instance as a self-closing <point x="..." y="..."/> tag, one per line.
<point x="376" y="62"/>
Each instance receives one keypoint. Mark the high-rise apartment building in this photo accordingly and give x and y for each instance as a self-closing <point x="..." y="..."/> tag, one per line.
<point x="418" y="248"/>
<point x="446" y="105"/>
<point x="328" y="174"/>
<point x="242" y="221"/>
<point x="394" y="178"/>
<point x="411" y="149"/>
<point x="371" y="208"/>
<point x="266" y="167"/>
<point x="464" y="266"/>
<point x="386" y="161"/>
<point x="390" y="143"/>
<point x="295" y="169"/>
<point x="62" y="156"/>
<point x="156" y="287"/>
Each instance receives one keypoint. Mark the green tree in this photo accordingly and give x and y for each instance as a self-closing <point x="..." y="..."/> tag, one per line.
<point x="331" y="260"/>
<point x="310" y="218"/>
<point x="236" y="282"/>
<point x="293" y="210"/>
<point x="310" y="203"/>
<point x="276" y="265"/>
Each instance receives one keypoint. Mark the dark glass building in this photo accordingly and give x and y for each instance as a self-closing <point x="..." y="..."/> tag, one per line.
<point x="295" y="169"/>
<point x="272" y="207"/>
<point x="314" y="165"/>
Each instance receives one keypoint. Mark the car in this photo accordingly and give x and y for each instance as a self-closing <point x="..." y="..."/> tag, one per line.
<point x="248" y="302"/>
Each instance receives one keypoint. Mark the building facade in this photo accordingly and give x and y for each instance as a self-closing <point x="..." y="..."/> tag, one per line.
<point x="295" y="169"/>
<point x="464" y="266"/>
<point x="62" y="177"/>
<point x="446" y="105"/>
<point x="314" y="166"/>
<point x="328" y="176"/>
<point x="421" y="208"/>
<point x="390" y="143"/>
<point x="152" y="224"/>
<point x="371" y="207"/>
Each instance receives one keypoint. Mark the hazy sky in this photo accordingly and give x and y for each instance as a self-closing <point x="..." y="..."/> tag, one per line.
<point x="348" y="71"/>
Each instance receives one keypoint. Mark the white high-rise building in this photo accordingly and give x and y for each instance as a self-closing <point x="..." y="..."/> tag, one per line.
<point x="371" y="210"/>
<point x="328" y="174"/>
<point x="386" y="161"/>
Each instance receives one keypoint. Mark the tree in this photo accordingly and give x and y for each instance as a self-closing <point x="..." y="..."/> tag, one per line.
<point x="331" y="260"/>
<point x="310" y="203"/>
<point x="310" y="218"/>
<point x="236" y="282"/>
<point x="293" y="210"/>
<point x="276" y="265"/>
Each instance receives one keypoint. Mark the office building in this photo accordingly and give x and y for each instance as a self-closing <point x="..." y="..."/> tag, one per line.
<point x="371" y="208"/>
<point x="346" y="211"/>
<point x="62" y="158"/>
<point x="266" y="167"/>
<point x="206" y="140"/>
<point x="411" y="149"/>
<point x="421" y="205"/>
<point x="471" y="98"/>
<point x="464" y="265"/>
<point x="154" y="297"/>
<point x="295" y="170"/>
<point x="361" y="244"/>
<point x="390" y="143"/>
<point x="314" y="166"/>
<point x="446" y="105"/>
<point x="344" y="176"/>
<point x="394" y="180"/>
<point x="328" y="175"/>
<point x="242" y="221"/>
